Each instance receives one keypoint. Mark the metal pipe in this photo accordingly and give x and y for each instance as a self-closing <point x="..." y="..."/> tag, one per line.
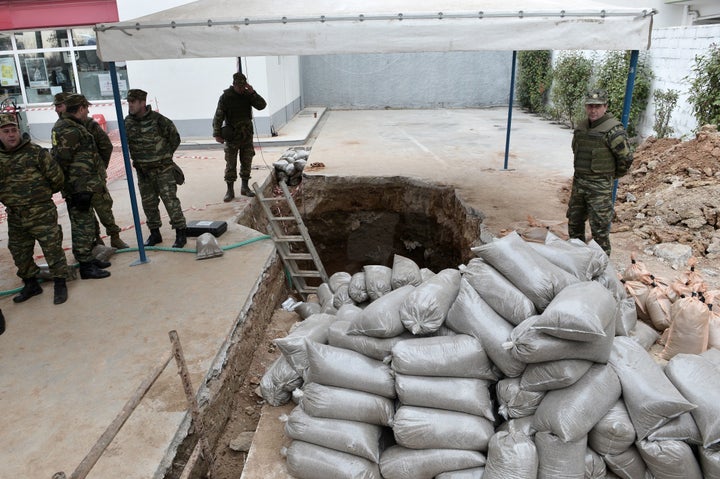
<point x="629" y="86"/>
<point x="510" y="106"/>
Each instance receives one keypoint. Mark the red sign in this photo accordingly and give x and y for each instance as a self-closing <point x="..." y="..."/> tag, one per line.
<point x="40" y="14"/>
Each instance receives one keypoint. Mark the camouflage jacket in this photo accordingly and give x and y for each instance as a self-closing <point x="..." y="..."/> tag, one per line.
<point x="28" y="175"/>
<point x="102" y="141"/>
<point x="74" y="149"/>
<point x="235" y="110"/>
<point x="152" y="138"/>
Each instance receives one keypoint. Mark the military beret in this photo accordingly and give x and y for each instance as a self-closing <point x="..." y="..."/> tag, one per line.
<point x="596" y="97"/>
<point x="239" y="78"/>
<point x="75" y="99"/>
<point x="59" y="98"/>
<point x="136" y="94"/>
<point x="8" y="119"/>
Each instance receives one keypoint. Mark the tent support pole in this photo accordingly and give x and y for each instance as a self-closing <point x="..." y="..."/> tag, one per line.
<point x="128" y="167"/>
<point x="629" y="86"/>
<point x="510" y="106"/>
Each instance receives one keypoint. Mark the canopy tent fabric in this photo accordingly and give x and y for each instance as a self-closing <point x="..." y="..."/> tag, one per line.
<point x="229" y="28"/>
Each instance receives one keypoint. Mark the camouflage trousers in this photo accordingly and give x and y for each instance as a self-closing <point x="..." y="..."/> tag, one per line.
<point x="102" y="204"/>
<point x="39" y="222"/>
<point x="157" y="184"/>
<point x="246" y="153"/>
<point x="591" y="200"/>
<point x="82" y="226"/>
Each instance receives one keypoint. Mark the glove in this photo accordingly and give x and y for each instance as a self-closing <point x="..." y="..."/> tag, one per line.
<point x="81" y="201"/>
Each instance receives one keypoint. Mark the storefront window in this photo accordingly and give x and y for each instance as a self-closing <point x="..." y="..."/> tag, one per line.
<point x="94" y="76"/>
<point x="83" y="36"/>
<point x="41" y="39"/>
<point x="5" y="41"/>
<point x="9" y="80"/>
<point x="45" y="74"/>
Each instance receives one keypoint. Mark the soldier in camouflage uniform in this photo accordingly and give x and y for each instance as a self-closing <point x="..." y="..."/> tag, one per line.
<point x="74" y="149"/>
<point x="602" y="153"/>
<point x="28" y="178"/>
<point x="233" y="126"/>
<point x="153" y="139"/>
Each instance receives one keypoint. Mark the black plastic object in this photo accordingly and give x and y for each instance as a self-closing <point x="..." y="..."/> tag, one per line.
<point x="216" y="228"/>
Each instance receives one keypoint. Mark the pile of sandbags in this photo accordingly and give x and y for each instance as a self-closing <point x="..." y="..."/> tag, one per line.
<point x="290" y="165"/>
<point x="528" y="361"/>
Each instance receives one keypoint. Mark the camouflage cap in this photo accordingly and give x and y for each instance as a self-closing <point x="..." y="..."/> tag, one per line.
<point x="60" y="98"/>
<point x="136" y="94"/>
<point x="239" y="78"/>
<point x="75" y="99"/>
<point x="8" y="119"/>
<point x="596" y="97"/>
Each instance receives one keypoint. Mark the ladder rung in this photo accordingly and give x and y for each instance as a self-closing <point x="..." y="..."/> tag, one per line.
<point x="290" y="238"/>
<point x="306" y="274"/>
<point x="297" y="256"/>
<point x="270" y="199"/>
<point x="282" y="218"/>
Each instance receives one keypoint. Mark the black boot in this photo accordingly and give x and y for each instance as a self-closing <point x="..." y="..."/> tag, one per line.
<point x="180" y="238"/>
<point x="2" y="322"/>
<point x="60" y="291"/>
<point x="31" y="288"/>
<point x="245" y="190"/>
<point x="154" y="238"/>
<point x="90" y="271"/>
<point x="101" y="264"/>
<point x="230" y="194"/>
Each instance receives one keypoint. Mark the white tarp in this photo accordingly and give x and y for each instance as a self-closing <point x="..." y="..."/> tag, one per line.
<point x="228" y="28"/>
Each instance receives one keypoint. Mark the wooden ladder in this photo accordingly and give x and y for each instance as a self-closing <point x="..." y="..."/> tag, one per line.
<point x="292" y="240"/>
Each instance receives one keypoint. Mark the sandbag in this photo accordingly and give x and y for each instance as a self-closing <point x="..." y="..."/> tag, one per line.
<point x="309" y="461"/>
<point x="644" y="334"/>
<point x="614" y="432"/>
<point x="558" y="459"/>
<point x="278" y="382"/>
<point x="466" y="395"/>
<point x="357" y="289"/>
<point x="628" y="464"/>
<point x="375" y="348"/>
<point x="514" y="402"/>
<point x="306" y="309"/>
<point x="594" y="465"/>
<point x="511" y="455"/>
<point x="472" y="473"/>
<point x="342" y="296"/>
<point x="714" y="330"/>
<point x="524" y="425"/>
<point x="657" y="304"/>
<point x="429" y="428"/>
<point x="682" y="428"/>
<point x="424" y="310"/>
<point x="399" y="462"/>
<point x="339" y="403"/>
<point x="378" y="280"/>
<point x="636" y="271"/>
<point x="710" y="462"/>
<point x="294" y="347"/>
<point x="404" y="271"/>
<point x="583" y="262"/>
<point x="626" y="317"/>
<point x="325" y="296"/>
<point x="381" y="318"/>
<point x="712" y="355"/>
<point x="338" y="279"/>
<point x="669" y="459"/>
<point x="553" y="374"/>
<point x="639" y="292"/>
<point x="689" y="330"/>
<point x="610" y="277"/>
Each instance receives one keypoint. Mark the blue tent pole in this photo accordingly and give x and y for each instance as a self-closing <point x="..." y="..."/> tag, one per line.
<point x="634" y="55"/>
<point x="128" y="166"/>
<point x="510" y="106"/>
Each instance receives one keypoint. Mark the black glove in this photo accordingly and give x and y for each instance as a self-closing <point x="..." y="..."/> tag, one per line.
<point x="81" y="201"/>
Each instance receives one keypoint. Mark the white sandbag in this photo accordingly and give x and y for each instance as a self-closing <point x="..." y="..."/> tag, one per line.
<point x="473" y="473"/>
<point x="594" y="465"/>
<point x="426" y="273"/>
<point x="404" y="271"/>
<point x="511" y="455"/>
<point x="628" y="464"/>
<point x="429" y="428"/>
<point x="343" y="368"/>
<point x="309" y="461"/>
<point x="357" y="290"/>
<point x="467" y="395"/>
<point x="710" y="462"/>
<point x="339" y="403"/>
<point x="670" y="459"/>
<point x="713" y="329"/>
<point x="535" y="276"/>
<point x="352" y="437"/>
<point x="338" y="279"/>
<point x="565" y="412"/>
<point x="399" y="462"/>
<point x="325" y="295"/>
<point x="610" y="277"/>
<point x="375" y="348"/>
<point x="378" y="279"/>
<point x="559" y="459"/>
<point x="651" y="399"/>
<point x="306" y="309"/>
<point x="470" y="314"/>
<point x="580" y="312"/>
<point x="626" y="317"/>
<point x="513" y="401"/>
<point x="658" y="305"/>
<point x="294" y="347"/>
<point x="278" y="382"/>
<point x="381" y="318"/>
<point x="347" y="312"/>
<point x="712" y="355"/>
<point x="502" y="296"/>
<point x="460" y="356"/>
<point x="689" y="330"/>
<point x="583" y="262"/>
<point x="644" y="334"/>
<point x="614" y="432"/>
<point x="682" y="428"/>
<point x="424" y="310"/>
<point x="524" y="425"/>
<point x="553" y="374"/>
<point x="342" y="296"/>
<point x="698" y="380"/>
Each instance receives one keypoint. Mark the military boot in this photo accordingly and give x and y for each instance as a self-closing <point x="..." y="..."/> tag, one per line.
<point x="99" y="241"/>
<point x="180" y="238"/>
<point x="245" y="190"/>
<point x="117" y="242"/>
<point x="60" y="291"/>
<point x="101" y="264"/>
<point x="88" y="270"/>
<point x="230" y="194"/>
<point x="154" y="238"/>
<point x="31" y="288"/>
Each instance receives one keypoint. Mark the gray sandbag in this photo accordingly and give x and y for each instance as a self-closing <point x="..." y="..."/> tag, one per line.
<point x="502" y="296"/>
<point x="698" y="380"/>
<point x="614" y="432"/>
<point x="352" y="437"/>
<point x="309" y="461"/>
<point x="294" y="347"/>
<point x="399" y="462"/>
<point x="670" y="459"/>
<point x="348" y="312"/>
<point x="378" y="280"/>
<point x="460" y="356"/>
<point x="628" y="464"/>
<point x="610" y="277"/>
<point x="651" y="399"/>
<point x="278" y="382"/>
<point x="404" y="271"/>
<point x="470" y="314"/>
<point x="467" y="395"/>
<point x="580" y="312"/>
<point x="357" y="290"/>
<point x="338" y="279"/>
<point x="348" y="404"/>
<point x="206" y="247"/>
<point x="343" y="368"/>
<point x="515" y="402"/>
<point x="594" y="465"/>
<point x="535" y="276"/>
<point x="682" y="428"/>
<point x="342" y="296"/>
<point x="472" y="473"/>
<point x="626" y="317"/>
<point x="375" y="348"/>
<point x="511" y="455"/>
<point x="306" y="309"/>
<point x="644" y="335"/>
<point x="429" y="428"/>
<point x="712" y="355"/>
<point x="581" y="261"/>
<point x="553" y="374"/>
<point x="381" y="318"/>
<point x="426" y="273"/>
<point x="565" y="412"/>
<point x="558" y="459"/>
<point x="524" y="425"/>
<point x="424" y="310"/>
<point x="710" y="462"/>
<point x="325" y="297"/>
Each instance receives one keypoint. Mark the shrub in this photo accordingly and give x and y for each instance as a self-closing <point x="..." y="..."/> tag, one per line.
<point x="571" y="77"/>
<point x="665" y="102"/>
<point x="534" y="77"/>
<point x="705" y="87"/>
